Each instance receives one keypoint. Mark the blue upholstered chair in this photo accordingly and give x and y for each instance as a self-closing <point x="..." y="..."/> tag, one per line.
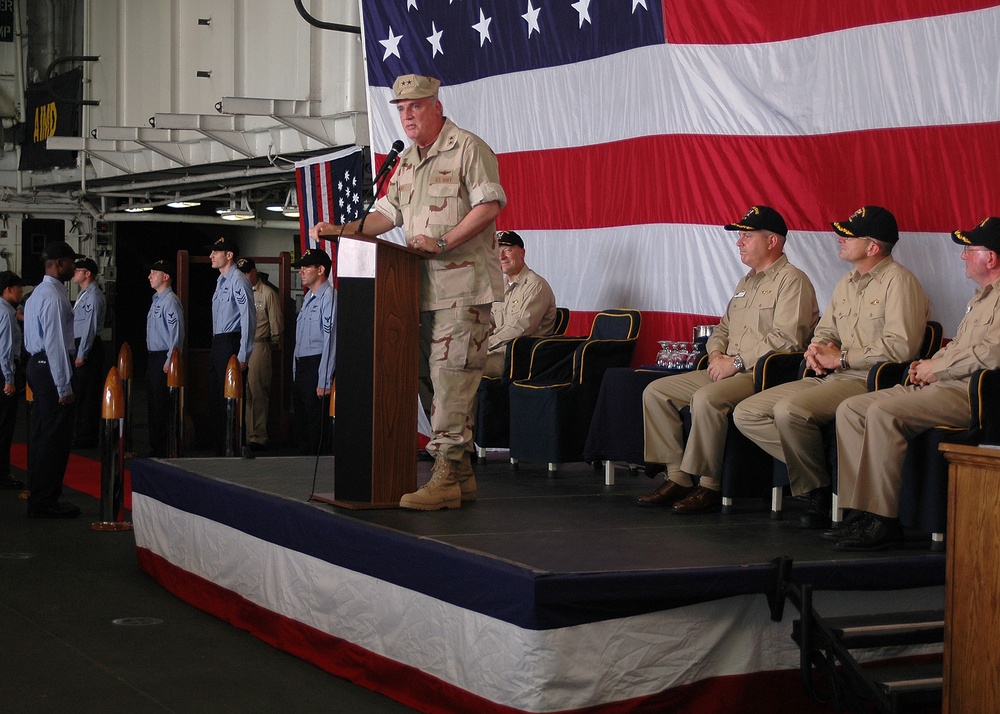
<point x="550" y="409"/>
<point x="492" y="428"/>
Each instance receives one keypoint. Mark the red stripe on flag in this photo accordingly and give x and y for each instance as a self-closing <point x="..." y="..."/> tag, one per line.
<point x="737" y="22"/>
<point x="934" y="179"/>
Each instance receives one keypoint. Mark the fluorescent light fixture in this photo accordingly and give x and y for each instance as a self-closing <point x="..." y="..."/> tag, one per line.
<point x="234" y="213"/>
<point x="137" y="208"/>
<point x="291" y="207"/>
<point x="179" y="202"/>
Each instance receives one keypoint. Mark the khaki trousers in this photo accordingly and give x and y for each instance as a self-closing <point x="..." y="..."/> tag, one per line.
<point x="258" y="394"/>
<point x="711" y="404"/>
<point x="453" y="349"/>
<point x="786" y="421"/>
<point x="872" y="434"/>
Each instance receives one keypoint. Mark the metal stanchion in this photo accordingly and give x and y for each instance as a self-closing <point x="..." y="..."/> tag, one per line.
<point x="233" y="393"/>
<point x="175" y="385"/>
<point x="112" y="457"/>
<point x="125" y="375"/>
<point x="29" y="402"/>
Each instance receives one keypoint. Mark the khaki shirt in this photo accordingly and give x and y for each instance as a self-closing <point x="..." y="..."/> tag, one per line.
<point x="270" y="322"/>
<point x="430" y="196"/>
<point x="977" y="341"/>
<point x="876" y="317"/>
<point x="773" y="309"/>
<point x="528" y="308"/>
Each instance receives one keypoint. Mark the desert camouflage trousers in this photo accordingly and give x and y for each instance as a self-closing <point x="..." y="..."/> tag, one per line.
<point x="453" y="344"/>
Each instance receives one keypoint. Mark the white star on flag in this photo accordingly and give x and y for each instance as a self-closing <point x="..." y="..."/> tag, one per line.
<point x="531" y="17"/>
<point x="582" y="7"/>
<point x="637" y="3"/>
<point x="483" y="28"/>
<point x="435" y="40"/>
<point x="391" y="45"/>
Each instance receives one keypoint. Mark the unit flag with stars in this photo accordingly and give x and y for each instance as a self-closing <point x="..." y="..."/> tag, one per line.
<point x="329" y="190"/>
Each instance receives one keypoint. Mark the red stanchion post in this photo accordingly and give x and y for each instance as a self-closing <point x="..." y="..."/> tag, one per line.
<point x="125" y="375"/>
<point x="112" y="457"/>
<point x="233" y="393"/>
<point x="175" y="385"/>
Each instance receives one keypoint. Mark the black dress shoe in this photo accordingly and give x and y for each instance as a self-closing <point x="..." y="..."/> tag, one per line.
<point x="847" y="527"/>
<point x="256" y="446"/>
<point x="700" y="500"/>
<point x="817" y="515"/>
<point x="873" y="533"/>
<point x="669" y="493"/>
<point x="62" y="509"/>
<point x="11" y="483"/>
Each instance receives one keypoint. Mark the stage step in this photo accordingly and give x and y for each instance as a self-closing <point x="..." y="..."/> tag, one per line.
<point x="884" y="630"/>
<point x="829" y="645"/>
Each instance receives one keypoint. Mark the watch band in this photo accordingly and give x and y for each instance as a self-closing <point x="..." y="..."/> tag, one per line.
<point x="442" y="244"/>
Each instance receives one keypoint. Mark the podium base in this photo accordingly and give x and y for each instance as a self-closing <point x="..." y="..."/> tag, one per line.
<point x="352" y="505"/>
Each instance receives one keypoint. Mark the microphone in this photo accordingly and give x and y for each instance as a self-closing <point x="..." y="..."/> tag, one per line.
<point x="390" y="160"/>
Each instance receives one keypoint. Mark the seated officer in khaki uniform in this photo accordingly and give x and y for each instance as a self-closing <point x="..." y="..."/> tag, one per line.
<point x="873" y="428"/>
<point x="773" y="308"/>
<point x="528" y="307"/>
<point x="878" y="312"/>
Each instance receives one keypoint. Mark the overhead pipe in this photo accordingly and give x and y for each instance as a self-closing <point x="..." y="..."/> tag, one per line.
<point x="324" y="25"/>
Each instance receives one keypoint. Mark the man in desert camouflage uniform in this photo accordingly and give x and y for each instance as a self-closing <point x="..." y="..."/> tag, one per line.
<point x="446" y="194"/>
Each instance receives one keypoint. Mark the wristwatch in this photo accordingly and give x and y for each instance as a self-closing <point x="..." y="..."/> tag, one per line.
<point x="442" y="244"/>
<point x="738" y="363"/>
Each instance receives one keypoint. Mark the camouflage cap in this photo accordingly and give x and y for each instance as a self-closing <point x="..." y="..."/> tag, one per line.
<point x="414" y="86"/>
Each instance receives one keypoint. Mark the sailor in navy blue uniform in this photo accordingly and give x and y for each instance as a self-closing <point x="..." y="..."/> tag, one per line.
<point x="48" y="337"/>
<point x="315" y="351"/>
<point x="234" y="322"/>
<point x="164" y="334"/>
<point x="13" y="377"/>
<point x="89" y="375"/>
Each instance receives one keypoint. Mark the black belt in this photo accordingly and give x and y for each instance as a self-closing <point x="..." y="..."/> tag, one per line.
<point x="220" y="335"/>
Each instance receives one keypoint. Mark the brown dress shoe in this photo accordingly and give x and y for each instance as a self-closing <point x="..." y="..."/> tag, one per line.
<point x="669" y="493"/>
<point x="700" y="500"/>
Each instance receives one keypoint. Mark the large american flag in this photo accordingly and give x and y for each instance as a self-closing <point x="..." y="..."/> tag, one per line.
<point x="329" y="190"/>
<point x="629" y="131"/>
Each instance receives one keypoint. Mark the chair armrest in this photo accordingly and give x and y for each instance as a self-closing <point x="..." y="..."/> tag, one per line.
<point x="776" y="368"/>
<point x="596" y="356"/>
<point x="552" y="357"/>
<point x="887" y="374"/>
<point x="984" y="400"/>
<point x="517" y="361"/>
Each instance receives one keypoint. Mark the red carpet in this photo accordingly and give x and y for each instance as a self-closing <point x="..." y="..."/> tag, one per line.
<point x="82" y="474"/>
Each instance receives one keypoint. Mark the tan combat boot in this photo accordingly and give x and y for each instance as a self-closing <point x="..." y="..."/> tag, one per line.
<point x="466" y="479"/>
<point x="442" y="491"/>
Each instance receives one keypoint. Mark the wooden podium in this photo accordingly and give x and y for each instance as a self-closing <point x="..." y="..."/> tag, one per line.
<point x="972" y="580"/>
<point x="378" y="326"/>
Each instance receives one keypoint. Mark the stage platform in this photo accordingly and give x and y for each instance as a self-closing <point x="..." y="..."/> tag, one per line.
<point x="547" y="594"/>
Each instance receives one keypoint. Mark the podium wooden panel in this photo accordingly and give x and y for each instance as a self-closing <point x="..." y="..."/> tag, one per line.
<point x="378" y="324"/>
<point x="972" y="595"/>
